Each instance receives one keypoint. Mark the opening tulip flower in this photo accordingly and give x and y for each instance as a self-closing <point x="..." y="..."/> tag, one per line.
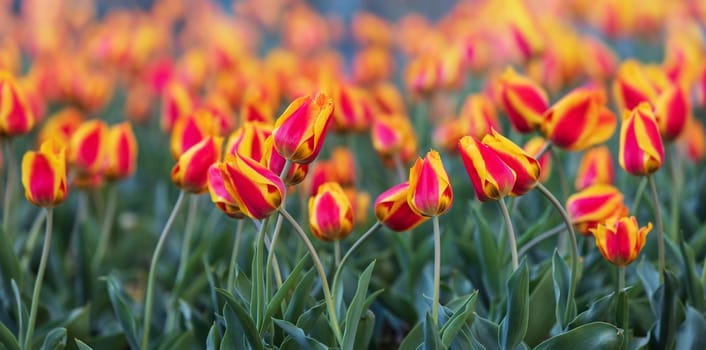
<point x="16" y="117"/>
<point x="191" y="170"/>
<point x="523" y="100"/>
<point x="525" y="167"/>
<point x="620" y="241"/>
<point x="641" y="148"/>
<point x="430" y="192"/>
<point x="44" y="175"/>
<point x="331" y="213"/>
<point x="491" y="178"/>
<point x="219" y="193"/>
<point x="593" y="205"/>
<point x="393" y="211"/>
<point x="301" y="130"/>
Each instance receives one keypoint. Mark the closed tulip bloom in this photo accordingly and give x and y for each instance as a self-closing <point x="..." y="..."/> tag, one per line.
<point x="388" y="98"/>
<point x="60" y="126"/>
<point x="342" y="163"/>
<point x="388" y="135"/>
<point x="330" y="213"/>
<point x="191" y="170"/>
<point x="219" y="193"/>
<point x="249" y="140"/>
<point x="393" y="210"/>
<point x="256" y="110"/>
<point x="44" y="175"/>
<point x="579" y="120"/>
<point x="430" y="192"/>
<point x="191" y="130"/>
<point x="87" y="147"/>
<point x="275" y="162"/>
<point x="620" y="241"/>
<point x="479" y="115"/>
<point x="641" y="149"/>
<point x="121" y="150"/>
<point x="533" y="147"/>
<point x="525" y="167"/>
<point x="490" y="176"/>
<point x="692" y="142"/>
<point x="596" y="167"/>
<point x="16" y="116"/>
<point x="593" y="205"/>
<point x="354" y="110"/>
<point x="301" y="130"/>
<point x="177" y="102"/>
<point x="632" y="85"/>
<point x="672" y="110"/>
<point x="256" y="190"/>
<point x="523" y="100"/>
<point x="447" y="133"/>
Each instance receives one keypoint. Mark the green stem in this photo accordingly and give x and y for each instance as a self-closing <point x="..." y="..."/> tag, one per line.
<point x="270" y="257"/>
<point x="258" y="279"/>
<point x="188" y="232"/>
<point x="401" y="173"/>
<point x="510" y="234"/>
<point x="350" y="252"/>
<point x="544" y="150"/>
<point x="33" y="236"/>
<point x="574" y="245"/>
<point x="660" y="229"/>
<point x="336" y="253"/>
<point x="621" y="278"/>
<point x="333" y="320"/>
<point x="104" y="237"/>
<point x="638" y="195"/>
<point x="437" y="270"/>
<point x="234" y="255"/>
<point x="675" y="167"/>
<point x="149" y="297"/>
<point x="540" y="238"/>
<point x="563" y="183"/>
<point x="9" y="188"/>
<point x="38" y="281"/>
<point x="624" y="312"/>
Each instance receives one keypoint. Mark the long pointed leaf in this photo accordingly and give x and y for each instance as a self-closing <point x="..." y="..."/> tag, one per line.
<point x="514" y="326"/>
<point x="355" y="310"/>
<point x="244" y="318"/>
<point x="596" y="335"/>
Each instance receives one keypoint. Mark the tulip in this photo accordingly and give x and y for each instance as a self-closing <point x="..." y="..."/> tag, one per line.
<point x="525" y="167"/>
<point x="354" y="110"/>
<point x="87" y="148"/>
<point x="249" y="140"/>
<point x="191" y="130"/>
<point x="121" y="147"/>
<point x="44" y="175"/>
<point x="191" y="170"/>
<point x="255" y="110"/>
<point x="479" y="116"/>
<point x="593" y="205"/>
<point x="273" y="161"/>
<point x="672" y="110"/>
<point x="256" y="190"/>
<point x="301" y="130"/>
<point x="372" y="65"/>
<point x="447" y="133"/>
<point x="330" y="213"/>
<point x="620" y="241"/>
<point x="393" y="210"/>
<point x="490" y="176"/>
<point x="343" y="166"/>
<point x="692" y="142"/>
<point x="523" y="100"/>
<point x="388" y="98"/>
<point x="430" y="192"/>
<point x="16" y="116"/>
<point x="579" y="120"/>
<point x="596" y="167"/>
<point x="219" y="193"/>
<point x="61" y="125"/>
<point x="535" y="145"/>
<point x="641" y="149"/>
<point x="177" y="102"/>
<point x="632" y="85"/>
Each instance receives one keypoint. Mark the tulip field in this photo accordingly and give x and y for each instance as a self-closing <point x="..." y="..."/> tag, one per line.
<point x="291" y="174"/>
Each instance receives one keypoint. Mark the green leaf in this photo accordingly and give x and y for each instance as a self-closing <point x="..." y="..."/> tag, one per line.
<point x="665" y="300"/>
<point x="213" y="340"/>
<point x="598" y="310"/>
<point x="491" y="256"/>
<point x="414" y="338"/>
<point x="55" y="339"/>
<point x="462" y="317"/>
<point x="365" y="331"/>
<point x="307" y="320"/>
<point x="21" y="312"/>
<point x="297" y="334"/>
<point x="300" y="296"/>
<point x="541" y="299"/>
<point x="355" y="310"/>
<point x="233" y="336"/>
<point x="287" y="285"/>
<point x="122" y="311"/>
<point x="9" y="265"/>
<point x="8" y="339"/>
<point x="432" y="340"/>
<point x="514" y="325"/>
<point x="81" y="345"/>
<point x="648" y="275"/>
<point x="692" y="333"/>
<point x="178" y="340"/>
<point x="694" y="288"/>
<point x="246" y="322"/>
<point x="565" y="307"/>
<point x="596" y="335"/>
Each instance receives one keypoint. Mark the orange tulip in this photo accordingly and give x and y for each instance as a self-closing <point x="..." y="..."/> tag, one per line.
<point x="191" y="130"/>
<point x="191" y="170"/>
<point x="490" y="176"/>
<point x="593" y="205"/>
<point x="641" y="149"/>
<point x="430" y="192"/>
<point x="596" y="167"/>
<point x="672" y="110"/>
<point x="393" y="210"/>
<point x="353" y="112"/>
<point x="523" y="100"/>
<point x="87" y="148"/>
<point x="343" y="166"/>
<point x="121" y="150"/>
<point x="16" y="116"/>
<point x="256" y="190"/>
<point x="219" y="193"/>
<point x="620" y="241"/>
<point x="479" y="116"/>
<point x="61" y="125"/>
<point x="177" y="102"/>
<point x="44" y="175"/>
<point x="525" y="167"/>
<point x="330" y="213"/>
<point x="301" y="130"/>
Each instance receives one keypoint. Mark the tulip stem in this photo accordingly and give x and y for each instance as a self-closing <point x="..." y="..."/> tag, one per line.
<point x="9" y="188"/>
<point x="333" y="320"/>
<point x="336" y="253"/>
<point x="540" y="238"/>
<point x="621" y="278"/>
<point x="437" y="270"/>
<point x="660" y="229"/>
<point x="544" y="150"/>
<point x="675" y="167"/>
<point x="401" y="174"/>
<point x="33" y="235"/>
<point x="574" y="246"/>
<point x="149" y="297"/>
<point x="270" y="256"/>
<point x="258" y="278"/>
<point x="350" y="252"/>
<point x="104" y="237"/>
<point x="234" y="255"/>
<point x="40" y="278"/>
<point x="188" y="232"/>
<point x="638" y="196"/>
<point x="510" y="234"/>
<point x="623" y="313"/>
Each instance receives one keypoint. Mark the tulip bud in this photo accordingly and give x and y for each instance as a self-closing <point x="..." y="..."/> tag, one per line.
<point x="479" y="115"/>
<point x="672" y="110"/>
<point x="191" y="130"/>
<point x="219" y="193"/>
<point x="275" y="162"/>
<point x="353" y="112"/>
<point x="579" y="120"/>
<point x="393" y="210"/>
<point x="523" y="100"/>
<point x="620" y="241"/>
<point x="256" y="190"/>
<point x="301" y="130"/>
<point x="388" y="98"/>
<point x="692" y="142"/>
<point x="249" y="140"/>
<point x="87" y="147"/>
<point x="641" y="149"/>
<point x="632" y="85"/>
<point x="330" y="213"/>
<point x="533" y="147"/>
<point x="177" y="102"/>
<point x="525" y="167"/>
<point x="191" y="170"/>
<point x="16" y="116"/>
<point x="430" y="192"/>
<point x="343" y="166"/>
<point x="44" y="175"/>
<point x="60" y="126"/>
<point x="596" y="167"/>
<point x="490" y="176"/>
<point x="121" y="150"/>
<point x="593" y="205"/>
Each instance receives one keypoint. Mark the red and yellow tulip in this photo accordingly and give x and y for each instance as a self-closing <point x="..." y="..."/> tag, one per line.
<point x="177" y="102"/>
<point x="596" y="167"/>
<point x="620" y="241"/>
<point x="692" y="142"/>
<point x="533" y="147"/>
<point x="301" y="130"/>
<point x="526" y="168"/>
<point x="121" y="151"/>
<point x="593" y="205"/>
<point x="191" y="170"/>
<point x="256" y="190"/>
<point x="275" y="162"/>
<point x="249" y="140"/>
<point x="330" y="213"/>
<point x="393" y="210"/>
<point x="61" y="125"/>
<point x="87" y="148"/>
<point x="641" y="148"/>
<point x="219" y="193"/>
<point x="16" y="116"/>
<point x="672" y="111"/>
<point x="490" y="176"/>
<point x="191" y="130"/>
<point x="523" y="100"/>
<point x="354" y="110"/>
<point x="430" y="192"/>
<point x="44" y="175"/>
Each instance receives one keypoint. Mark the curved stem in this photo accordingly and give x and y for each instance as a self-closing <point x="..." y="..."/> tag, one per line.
<point x="9" y="188"/>
<point x="624" y="312"/>
<point x="540" y="238"/>
<point x="258" y="279"/>
<point x="333" y="320"/>
<point x="563" y="183"/>
<point x="32" y="240"/>
<point x="153" y="267"/>
<point x="188" y="232"/>
<point x="234" y="254"/>
<point x="104" y="237"/>
<point x="437" y="270"/>
<point x="40" y="278"/>
<point x="660" y="229"/>
<point x="350" y="252"/>
<point x="638" y="195"/>
<point x="401" y="174"/>
<point x="574" y="245"/>
<point x="676" y="170"/>
<point x="336" y="253"/>
<point x="510" y="234"/>
<point x="544" y="150"/>
<point x="270" y="256"/>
